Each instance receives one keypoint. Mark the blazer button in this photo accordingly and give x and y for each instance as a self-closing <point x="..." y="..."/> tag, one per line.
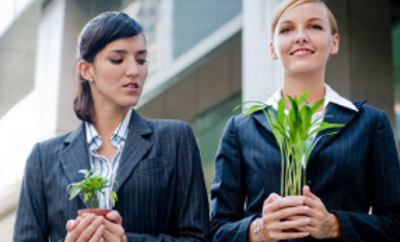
<point x="309" y="182"/>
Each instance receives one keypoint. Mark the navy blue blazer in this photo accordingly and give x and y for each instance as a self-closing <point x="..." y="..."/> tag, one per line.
<point x="161" y="191"/>
<point x="352" y="171"/>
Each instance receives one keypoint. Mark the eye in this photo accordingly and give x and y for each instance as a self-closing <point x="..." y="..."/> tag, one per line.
<point x="141" y="61"/>
<point x="116" y="61"/>
<point x="285" y="30"/>
<point x="316" y="27"/>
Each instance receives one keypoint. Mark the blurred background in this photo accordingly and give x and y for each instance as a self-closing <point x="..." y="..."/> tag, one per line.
<point x="205" y="57"/>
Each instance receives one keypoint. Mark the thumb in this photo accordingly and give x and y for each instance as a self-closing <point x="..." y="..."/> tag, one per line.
<point x="307" y="192"/>
<point x="272" y="198"/>
<point x="71" y="225"/>
<point x="114" y="216"/>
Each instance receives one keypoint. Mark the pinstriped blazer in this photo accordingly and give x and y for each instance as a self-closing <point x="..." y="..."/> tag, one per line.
<point x="161" y="191"/>
<point x="352" y="171"/>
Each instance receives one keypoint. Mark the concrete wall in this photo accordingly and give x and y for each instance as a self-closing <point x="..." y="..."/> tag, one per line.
<point x="363" y="68"/>
<point x="204" y="87"/>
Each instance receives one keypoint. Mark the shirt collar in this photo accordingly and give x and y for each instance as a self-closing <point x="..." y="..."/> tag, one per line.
<point x="119" y="133"/>
<point x="330" y="97"/>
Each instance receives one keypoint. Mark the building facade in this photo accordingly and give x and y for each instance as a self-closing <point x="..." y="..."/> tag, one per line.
<point x="205" y="57"/>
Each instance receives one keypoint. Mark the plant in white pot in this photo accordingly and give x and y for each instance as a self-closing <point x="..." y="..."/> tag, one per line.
<point x="90" y="187"/>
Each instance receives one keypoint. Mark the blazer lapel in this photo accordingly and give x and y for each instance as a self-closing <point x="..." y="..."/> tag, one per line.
<point x="136" y="147"/>
<point x="75" y="156"/>
<point x="260" y="117"/>
<point x="334" y="114"/>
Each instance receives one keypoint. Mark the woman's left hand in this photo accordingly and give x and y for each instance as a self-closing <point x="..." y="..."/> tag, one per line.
<point x="114" y="231"/>
<point x="323" y="224"/>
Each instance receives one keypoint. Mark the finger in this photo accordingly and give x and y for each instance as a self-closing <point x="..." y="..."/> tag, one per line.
<point x="71" y="225"/>
<point x="114" y="216"/>
<point x="91" y="229"/>
<point x="307" y="192"/>
<point x="284" y="202"/>
<point x="286" y="225"/>
<point x="109" y="236"/>
<point x="97" y="236"/>
<point x="271" y="198"/>
<point x="313" y="202"/>
<point x="74" y="234"/>
<point x="114" y="228"/>
<point x="308" y="229"/>
<point x="297" y="217"/>
<point x="286" y="213"/>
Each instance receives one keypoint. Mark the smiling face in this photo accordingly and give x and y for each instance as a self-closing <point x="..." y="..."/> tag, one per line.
<point x="118" y="72"/>
<point x="303" y="40"/>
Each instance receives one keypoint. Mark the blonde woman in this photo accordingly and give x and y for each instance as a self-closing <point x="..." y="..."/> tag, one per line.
<point x="348" y="173"/>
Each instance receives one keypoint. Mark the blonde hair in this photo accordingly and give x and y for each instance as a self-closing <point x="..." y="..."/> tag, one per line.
<point x="289" y="4"/>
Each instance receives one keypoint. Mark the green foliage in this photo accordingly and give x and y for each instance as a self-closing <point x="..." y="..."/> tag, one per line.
<point x="294" y="134"/>
<point x="90" y="186"/>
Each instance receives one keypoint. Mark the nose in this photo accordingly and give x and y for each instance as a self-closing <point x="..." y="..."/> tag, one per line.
<point x="301" y="37"/>
<point x="132" y="68"/>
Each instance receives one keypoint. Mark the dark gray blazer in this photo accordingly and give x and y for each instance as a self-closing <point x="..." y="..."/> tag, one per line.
<point x="352" y="171"/>
<point x="161" y="192"/>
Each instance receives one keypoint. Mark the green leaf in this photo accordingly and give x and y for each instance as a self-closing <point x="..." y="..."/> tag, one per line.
<point x="303" y="97"/>
<point x="74" y="192"/>
<point x="316" y="106"/>
<point x="253" y="109"/>
<point x="281" y="111"/>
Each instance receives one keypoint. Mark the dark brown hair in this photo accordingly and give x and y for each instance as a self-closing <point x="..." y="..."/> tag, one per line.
<point x="98" y="32"/>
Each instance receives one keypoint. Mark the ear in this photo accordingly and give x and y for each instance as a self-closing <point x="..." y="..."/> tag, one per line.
<point x="85" y="69"/>
<point x="272" y="50"/>
<point x="335" y="44"/>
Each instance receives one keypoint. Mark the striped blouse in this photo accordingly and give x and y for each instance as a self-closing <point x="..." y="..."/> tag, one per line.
<point x="100" y="164"/>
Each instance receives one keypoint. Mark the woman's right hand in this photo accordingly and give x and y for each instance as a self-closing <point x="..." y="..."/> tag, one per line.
<point x="275" y="225"/>
<point x="88" y="228"/>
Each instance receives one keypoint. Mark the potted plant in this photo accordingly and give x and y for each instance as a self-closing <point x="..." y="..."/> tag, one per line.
<point x="294" y="132"/>
<point x="90" y="187"/>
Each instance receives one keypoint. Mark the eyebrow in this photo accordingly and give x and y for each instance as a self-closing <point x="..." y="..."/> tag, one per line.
<point x="140" y="52"/>
<point x="309" y="20"/>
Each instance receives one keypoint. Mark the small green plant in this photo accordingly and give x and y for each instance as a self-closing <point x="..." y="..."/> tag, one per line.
<point x="90" y="186"/>
<point x="294" y="134"/>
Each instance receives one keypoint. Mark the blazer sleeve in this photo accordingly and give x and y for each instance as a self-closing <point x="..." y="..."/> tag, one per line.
<point x="191" y="203"/>
<point x="384" y="175"/>
<point x="31" y="221"/>
<point x="228" y="193"/>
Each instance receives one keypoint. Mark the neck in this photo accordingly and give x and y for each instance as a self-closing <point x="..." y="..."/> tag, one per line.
<point x="107" y="120"/>
<point x="295" y="86"/>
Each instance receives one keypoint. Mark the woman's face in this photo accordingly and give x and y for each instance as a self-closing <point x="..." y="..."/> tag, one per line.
<point x="119" y="72"/>
<point x="303" y="40"/>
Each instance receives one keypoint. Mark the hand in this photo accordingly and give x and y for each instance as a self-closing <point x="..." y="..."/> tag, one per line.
<point x="274" y="221"/>
<point x="323" y="224"/>
<point x="114" y="230"/>
<point x="88" y="228"/>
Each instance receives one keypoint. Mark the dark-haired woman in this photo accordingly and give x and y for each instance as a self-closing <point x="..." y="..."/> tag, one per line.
<point x="156" y="163"/>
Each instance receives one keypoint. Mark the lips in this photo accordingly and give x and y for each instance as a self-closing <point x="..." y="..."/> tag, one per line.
<point x="131" y="86"/>
<point x="302" y="52"/>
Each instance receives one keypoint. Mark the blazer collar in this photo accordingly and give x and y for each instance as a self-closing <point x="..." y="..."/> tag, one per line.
<point x="137" y="145"/>
<point x="334" y="114"/>
<point x="75" y="155"/>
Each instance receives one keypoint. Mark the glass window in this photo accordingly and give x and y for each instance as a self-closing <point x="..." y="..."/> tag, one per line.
<point x="208" y="128"/>
<point x="193" y="20"/>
